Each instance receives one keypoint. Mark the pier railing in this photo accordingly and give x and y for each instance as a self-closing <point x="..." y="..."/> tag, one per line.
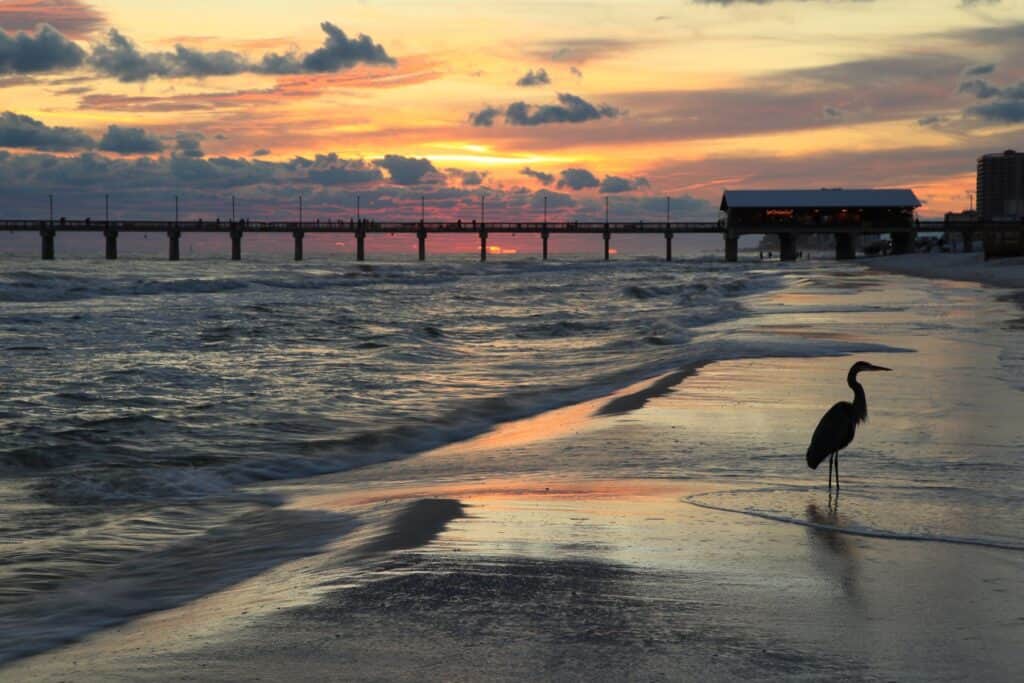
<point x="845" y="235"/>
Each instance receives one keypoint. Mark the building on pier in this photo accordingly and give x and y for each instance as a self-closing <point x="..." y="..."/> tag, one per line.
<point x="846" y="214"/>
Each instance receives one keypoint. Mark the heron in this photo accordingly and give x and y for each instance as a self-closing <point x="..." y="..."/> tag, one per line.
<point x="839" y="424"/>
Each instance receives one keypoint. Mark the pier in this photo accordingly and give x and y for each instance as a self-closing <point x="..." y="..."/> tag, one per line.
<point x="902" y="233"/>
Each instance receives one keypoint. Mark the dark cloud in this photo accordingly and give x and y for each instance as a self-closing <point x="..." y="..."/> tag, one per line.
<point x="614" y="184"/>
<point x="1006" y="105"/>
<point x="577" y="179"/>
<point x="555" y="200"/>
<point x="261" y="152"/>
<point x="24" y="132"/>
<point x="532" y="78"/>
<point x="190" y="145"/>
<point x="979" y="88"/>
<point x="571" y="109"/>
<point x="46" y="50"/>
<point x="831" y="113"/>
<point x="980" y="70"/>
<point x="407" y="170"/>
<point x="338" y="52"/>
<point x="575" y="72"/>
<point x="467" y="178"/>
<point x="484" y="117"/>
<point x="121" y="58"/>
<point x="70" y="17"/>
<point x="330" y="169"/>
<point x="544" y="178"/>
<point x="127" y="140"/>
<point x="267" y="190"/>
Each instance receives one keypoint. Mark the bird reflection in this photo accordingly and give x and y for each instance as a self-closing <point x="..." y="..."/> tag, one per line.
<point x="832" y="550"/>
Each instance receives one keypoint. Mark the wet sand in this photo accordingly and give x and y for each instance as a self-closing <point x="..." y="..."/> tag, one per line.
<point x="568" y="546"/>
<point x="1003" y="272"/>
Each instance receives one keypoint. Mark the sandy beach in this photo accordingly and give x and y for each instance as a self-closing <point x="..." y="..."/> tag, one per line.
<point x="668" y="531"/>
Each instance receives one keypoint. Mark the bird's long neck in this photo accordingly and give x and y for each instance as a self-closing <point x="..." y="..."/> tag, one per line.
<point x="860" y="400"/>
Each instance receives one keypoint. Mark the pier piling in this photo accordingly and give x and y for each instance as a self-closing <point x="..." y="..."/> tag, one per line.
<point x="787" y="246"/>
<point x="483" y="245"/>
<point x="236" y="242"/>
<point x="732" y="249"/>
<point x="607" y="245"/>
<point x="668" y="244"/>
<point x="298" y="235"/>
<point x="111" y="240"/>
<point x="360" y="243"/>
<point x="48" y="234"/>
<point x="902" y="242"/>
<point x="544" y="234"/>
<point x="421" y="236"/>
<point x="845" y="247"/>
<point x="174" y="245"/>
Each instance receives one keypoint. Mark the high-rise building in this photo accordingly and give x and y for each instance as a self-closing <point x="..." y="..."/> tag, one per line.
<point x="1001" y="186"/>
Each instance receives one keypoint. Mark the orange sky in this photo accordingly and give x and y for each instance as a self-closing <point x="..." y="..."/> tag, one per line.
<point x="647" y="99"/>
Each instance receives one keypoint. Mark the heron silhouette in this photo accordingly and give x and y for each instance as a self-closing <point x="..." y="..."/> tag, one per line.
<point x="839" y="424"/>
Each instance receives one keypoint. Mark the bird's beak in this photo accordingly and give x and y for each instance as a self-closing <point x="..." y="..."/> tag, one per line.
<point x="878" y="368"/>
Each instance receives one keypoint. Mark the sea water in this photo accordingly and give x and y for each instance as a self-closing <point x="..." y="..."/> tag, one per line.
<point x="141" y="401"/>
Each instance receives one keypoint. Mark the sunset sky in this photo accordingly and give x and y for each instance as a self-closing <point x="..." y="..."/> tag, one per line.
<point x="392" y="100"/>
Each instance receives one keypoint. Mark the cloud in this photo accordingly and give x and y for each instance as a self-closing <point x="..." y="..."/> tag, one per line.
<point x="127" y="140"/>
<point x="266" y="190"/>
<point x="121" y="58"/>
<point x="484" y="117"/>
<point x="1006" y="105"/>
<point x="190" y="145"/>
<point x="582" y="50"/>
<point x="614" y="184"/>
<point x="544" y="178"/>
<point x="24" y="132"/>
<point x="831" y="113"/>
<point x="407" y="170"/>
<point x="261" y="152"/>
<point x="532" y="78"/>
<point x="571" y="109"/>
<point x="70" y="17"/>
<point x="979" y="88"/>
<point x="577" y="179"/>
<point x="980" y="70"/>
<point x="555" y="200"/>
<point x="467" y="178"/>
<point x="46" y="50"/>
<point x="330" y="169"/>
<point x="338" y="52"/>
<point x="931" y="120"/>
<point x="575" y="72"/>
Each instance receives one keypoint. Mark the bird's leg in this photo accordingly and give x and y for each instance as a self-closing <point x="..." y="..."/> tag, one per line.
<point x="837" y="472"/>
<point x="830" y="474"/>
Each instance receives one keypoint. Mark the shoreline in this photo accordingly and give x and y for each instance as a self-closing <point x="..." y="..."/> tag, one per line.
<point x="1007" y="273"/>
<point x="561" y="545"/>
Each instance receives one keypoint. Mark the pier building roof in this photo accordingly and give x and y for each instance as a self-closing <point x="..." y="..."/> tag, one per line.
<point x="819" y="199"/>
